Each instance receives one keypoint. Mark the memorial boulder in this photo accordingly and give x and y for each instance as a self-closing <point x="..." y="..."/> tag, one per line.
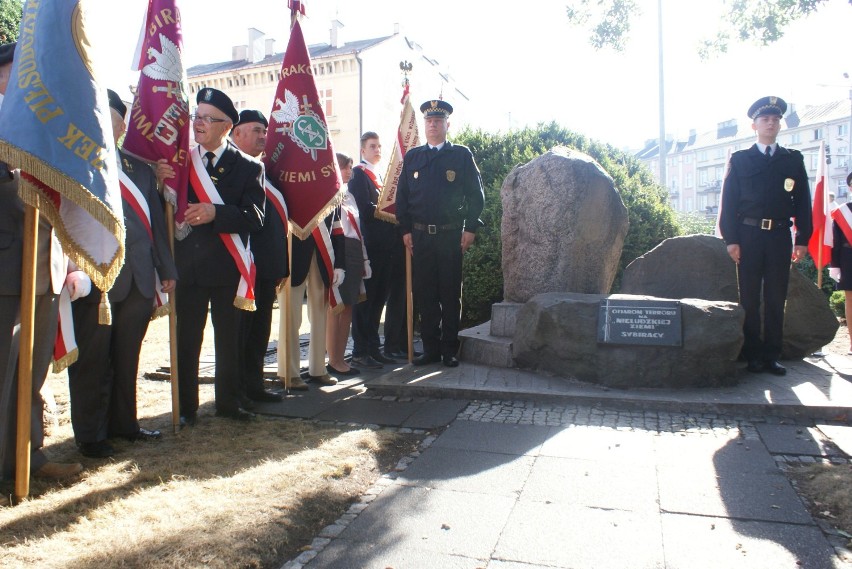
<point x="563" y="226"/>
<point x="698" y="266"/>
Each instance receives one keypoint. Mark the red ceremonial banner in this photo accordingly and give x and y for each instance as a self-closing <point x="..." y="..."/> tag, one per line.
<point x="407" y="137"/>
<point x="822" y="238"/>
<point x="159" y="117"/>
<point x="299" y="156"/>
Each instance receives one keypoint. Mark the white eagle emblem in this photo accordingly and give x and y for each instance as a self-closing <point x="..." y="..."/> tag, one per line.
<point x="167" y="65"/>
<point x="288" y="109"/>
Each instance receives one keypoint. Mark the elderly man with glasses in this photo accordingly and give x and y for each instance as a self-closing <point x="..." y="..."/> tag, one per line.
<point x="215" y="269"/>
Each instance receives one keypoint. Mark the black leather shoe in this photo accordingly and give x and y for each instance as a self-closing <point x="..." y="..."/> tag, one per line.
<point x="755" y="366"/>
<point x="775" y="368"/>
<point x="334" y="371"/>
<point x="100" y="449"/>
<point x="143" y="435"/>
<point x="367" y="362"/>
<point x="426" y="359"/>
<point x="188" y="420"/>
<point x="237" y="414"/>
<point x="402" y="355"/>
<point x="265" y="396"/>
<point x="383" y="359"/>
<point x="451" y="361"/>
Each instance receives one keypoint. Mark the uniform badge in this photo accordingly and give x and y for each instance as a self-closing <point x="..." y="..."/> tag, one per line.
<point x="451" y="175"/>
<point x="416" y="175"/>
<point x="208" y="94"/>
<point x="127" y="167"/>
<point x="788" y="184"/>
<point x="221" y="170"/>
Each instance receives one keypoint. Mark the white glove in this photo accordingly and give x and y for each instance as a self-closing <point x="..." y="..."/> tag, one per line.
<point x="78" y="284"/>
<point x="368" y="272"/>
<point x="339" y="275"/>
<point x="834" y="273"/>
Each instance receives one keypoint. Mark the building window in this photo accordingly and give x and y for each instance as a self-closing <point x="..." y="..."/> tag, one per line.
<point x="702" y="156"/>
<point x="842" y="129"/>
<point x="687" y="158"/>
<point x="720" y="153"/>
<point x="326" y="102"/>
<point x="688" y="183"/>
<point x="796" y="138"/>
<point x="702" y="177"/>
<point x="817" y="134"/>
<point x="814" y="160"/>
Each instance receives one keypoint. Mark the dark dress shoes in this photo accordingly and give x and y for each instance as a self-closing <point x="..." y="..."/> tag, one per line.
<point x="100" y="449"/>
<point x="334" y="371"/>
<point x="237" y="414"/>
<point x="367" y="362"/>
<point x="265" y="396"/>
<point x="426" y="359"/>
<point x="143" y="435"/>
<point x="451" y="361"/>
<point x="382" y="358"/>
<point x="188" y="420"/>
<point x="755" y="366"/>
<point x="402" y="355"/>
<point x="775" y="368"/>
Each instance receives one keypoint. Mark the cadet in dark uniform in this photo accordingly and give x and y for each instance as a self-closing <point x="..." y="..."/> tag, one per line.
<point x="765" y="186"/>
<point x="438" y="203"/>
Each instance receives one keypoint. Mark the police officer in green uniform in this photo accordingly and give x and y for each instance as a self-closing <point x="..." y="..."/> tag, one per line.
<point x="439" y="200"/>
<point x="765" y="186"/>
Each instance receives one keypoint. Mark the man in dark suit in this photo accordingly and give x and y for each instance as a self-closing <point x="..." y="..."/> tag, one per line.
<point x="269" y="247"/>
<point x="382" y="241"/>
<point x="50" y="275"/>
<point x="226" y="201"/>
<point x="764" y="187"/>
<point x="102" y="382"/>
<point x="438" y="204"/>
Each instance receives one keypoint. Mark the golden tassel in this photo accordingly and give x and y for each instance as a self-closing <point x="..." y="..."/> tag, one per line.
<point x="104" y="313"/>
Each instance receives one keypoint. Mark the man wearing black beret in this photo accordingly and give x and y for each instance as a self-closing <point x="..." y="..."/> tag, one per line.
<point x="102" y="383"/>
<point x="439" y="200"/>
<point x="269" y="247"/>
<point x="226" y="201"/>
<point x="765" y="186"/>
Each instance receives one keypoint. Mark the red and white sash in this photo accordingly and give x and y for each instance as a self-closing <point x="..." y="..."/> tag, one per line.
<point x="206" y="192"/>
<point x="65" y="346"/>
<point x="133" y="197"/>
<point x="372" y="175"/>
<point x="349" y="226"/>
<point x="842" y="216"/>
<point x="274" y="197"/>
<point x="326" y="257"/>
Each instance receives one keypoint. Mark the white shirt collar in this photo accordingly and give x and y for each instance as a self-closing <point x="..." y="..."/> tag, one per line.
<point x="218" y="152"/>
<point x="762" y="147"/>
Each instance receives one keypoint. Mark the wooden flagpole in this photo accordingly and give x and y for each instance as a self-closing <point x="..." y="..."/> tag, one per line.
<point x="25" y="354"/>
<point x="173" y="350"/>
<point x="409" y="305"/>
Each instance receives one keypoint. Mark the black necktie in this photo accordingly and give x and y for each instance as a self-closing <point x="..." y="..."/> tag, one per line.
<point x="768" y="152"/>
<point x="210" y="157"/>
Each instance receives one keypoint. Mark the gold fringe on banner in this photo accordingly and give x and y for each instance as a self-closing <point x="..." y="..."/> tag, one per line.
<point x="304" y="232"/>
<point x="62" y="363"/>
<point x="103" y="275"/>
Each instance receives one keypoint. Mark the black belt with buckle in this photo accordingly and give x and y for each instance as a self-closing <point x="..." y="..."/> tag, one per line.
<point x="767" y="224"/>
<point x="433" y="229"/>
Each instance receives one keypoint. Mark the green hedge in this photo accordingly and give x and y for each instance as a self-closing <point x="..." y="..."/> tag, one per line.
<point x="651" y="218"/>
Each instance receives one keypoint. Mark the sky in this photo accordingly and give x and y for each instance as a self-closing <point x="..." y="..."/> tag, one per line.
<point x="522" y="67"/>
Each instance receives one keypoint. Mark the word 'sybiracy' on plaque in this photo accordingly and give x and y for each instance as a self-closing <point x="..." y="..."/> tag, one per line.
<point x="640" y="322"/>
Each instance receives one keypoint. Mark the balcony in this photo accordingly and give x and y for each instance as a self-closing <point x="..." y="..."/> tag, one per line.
<point x="713" y="187"/>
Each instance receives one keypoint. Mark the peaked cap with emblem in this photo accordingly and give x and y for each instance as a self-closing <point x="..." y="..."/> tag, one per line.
<point x="219" y="100"/>
<point x="249" y="115"/>
<point x="116" y="103"/>
<point x="436" y="108"/>
<point x="7" y="52"/>
<point x="767" y="106"/>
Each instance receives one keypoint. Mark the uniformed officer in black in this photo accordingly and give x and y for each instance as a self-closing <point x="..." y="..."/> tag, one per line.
<point x="439" y="200"/>
<point x="765" y="186"/>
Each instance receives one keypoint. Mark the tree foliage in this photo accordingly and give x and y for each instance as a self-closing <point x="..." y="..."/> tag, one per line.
<point x="760" y="21"/>
<point x="10" y="19"/>
<point x="651" y="218"/>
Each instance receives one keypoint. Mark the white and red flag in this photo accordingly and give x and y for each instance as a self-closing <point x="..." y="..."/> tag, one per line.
<point x="159" y="117"/>
<point x="299" y="156"/>
<point x="407" y="137"/>
<point x="822" y="238"/>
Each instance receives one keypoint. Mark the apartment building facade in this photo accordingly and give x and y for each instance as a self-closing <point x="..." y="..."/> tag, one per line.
<point x="695" y="167"/>
<point x="359" y="82"/>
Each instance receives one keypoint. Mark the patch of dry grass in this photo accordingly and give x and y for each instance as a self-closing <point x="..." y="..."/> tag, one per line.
<point x="221" y="495"/>
<point x="828" y="489"/>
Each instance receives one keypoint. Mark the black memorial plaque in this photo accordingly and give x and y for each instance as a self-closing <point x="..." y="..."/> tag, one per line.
<point x="640" y="322"/>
